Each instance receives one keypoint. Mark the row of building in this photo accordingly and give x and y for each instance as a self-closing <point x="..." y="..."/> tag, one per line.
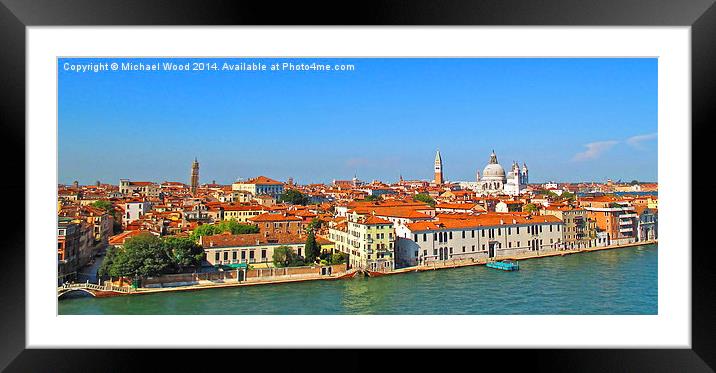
<point x="379" y="226"/>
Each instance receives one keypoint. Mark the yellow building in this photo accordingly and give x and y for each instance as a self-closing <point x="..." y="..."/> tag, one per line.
<point x="242" y="213"/>
<point x="369" y="241"/>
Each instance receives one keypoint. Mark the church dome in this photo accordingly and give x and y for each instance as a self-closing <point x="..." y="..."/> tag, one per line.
<point x="493" y="169"/>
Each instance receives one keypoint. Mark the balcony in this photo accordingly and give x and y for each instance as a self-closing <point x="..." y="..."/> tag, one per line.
<point x="627" y="216"/>
<point x="625" y="230"/>
<point x="625" y="222"/>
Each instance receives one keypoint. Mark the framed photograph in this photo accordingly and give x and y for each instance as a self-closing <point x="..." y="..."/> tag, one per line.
<point x="479" y="175"/>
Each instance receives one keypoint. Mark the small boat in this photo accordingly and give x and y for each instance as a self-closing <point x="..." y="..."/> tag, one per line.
<point x="348" y="274"/>
<point x="505" y="265"/>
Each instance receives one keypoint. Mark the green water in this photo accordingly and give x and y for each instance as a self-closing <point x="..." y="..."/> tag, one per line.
<point x="610" y="282"/>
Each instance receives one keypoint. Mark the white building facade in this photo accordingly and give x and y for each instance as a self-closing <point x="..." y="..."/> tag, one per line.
<point x="135" y="210"/>
<point x="485" y="236"/>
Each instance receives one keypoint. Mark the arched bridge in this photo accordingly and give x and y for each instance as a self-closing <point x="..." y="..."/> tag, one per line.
<point x="106" y="290"/>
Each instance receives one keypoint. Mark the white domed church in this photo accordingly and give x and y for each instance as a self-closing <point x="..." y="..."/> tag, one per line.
<point x="494" y="180"/>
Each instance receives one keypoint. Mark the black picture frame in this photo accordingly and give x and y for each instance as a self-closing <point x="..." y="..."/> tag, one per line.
<point x="16" y="15"/>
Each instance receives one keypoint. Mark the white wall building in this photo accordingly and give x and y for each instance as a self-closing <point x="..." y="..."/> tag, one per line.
<point x="479" y="237"/>
<point x="260" y="185"/>
<point x="134" y="210"/>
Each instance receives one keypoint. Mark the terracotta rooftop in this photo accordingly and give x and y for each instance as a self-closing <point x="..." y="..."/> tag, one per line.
<point x="483" y="220"/>
<point x="253" y="239"/>
<point x="272" y="217"/>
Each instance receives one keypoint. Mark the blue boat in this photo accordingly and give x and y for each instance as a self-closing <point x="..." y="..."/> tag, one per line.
<point x="505" y="265"/>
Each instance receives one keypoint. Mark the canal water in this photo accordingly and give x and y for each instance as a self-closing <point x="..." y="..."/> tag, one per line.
<point x="610" y="282"/>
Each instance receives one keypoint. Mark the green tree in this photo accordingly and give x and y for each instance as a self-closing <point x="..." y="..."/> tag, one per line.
<point x="315" y="225"/>
<point x="313" y="250"/>
<point x="422" y="197"/>
<point x="144" y="255"/>
<point x="634" y="182"/>
<point x="337" y="258"/>
<point x="284" y="256"/>
<point x="567" y="196"/>
<point x="109" y="258"/>
<point x="104" y="205"/>
<point x="232" y="226"/>
<point x="371" y="198"/>
<point x="184" y="252"/>
<point x="147" y="254"/>
<point x="530" y="207"/>
<point x="294" y="197"/>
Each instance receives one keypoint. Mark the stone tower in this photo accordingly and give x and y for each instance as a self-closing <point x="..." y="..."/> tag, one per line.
<point x="194" y="175"/>
<point x="438" y="169"/>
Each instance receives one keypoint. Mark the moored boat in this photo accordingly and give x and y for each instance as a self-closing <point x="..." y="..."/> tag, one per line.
<point x="349" y="274"/>
<point x="505" y="265"/>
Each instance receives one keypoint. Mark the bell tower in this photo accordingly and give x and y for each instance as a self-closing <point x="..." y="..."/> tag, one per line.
<point x="194" y="176"/>
<point x="438" y="169"/>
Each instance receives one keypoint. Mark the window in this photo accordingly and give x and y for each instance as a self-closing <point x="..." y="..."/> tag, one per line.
<point x="473" y="233"/>
<point x="473" y="247"/>
<point x="425" y="237"/>
<point x="243" y="255"/>
<point x="216" y="256"/>
<point x="263" y="254"/>
<point x="483" y="233"/>
<point x="234" y="255"/>
<point x="451" y="235"/>
<point x="463" y="249"/>
<point x="415" y="238"/>
<point x="463" y="234"/>
<point x="226" y="255"/>
<point x="518" y="231"/>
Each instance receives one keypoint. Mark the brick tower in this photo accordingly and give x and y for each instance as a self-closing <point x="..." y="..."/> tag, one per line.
<point x="194" y="176"/>
<point x="438" y="169"/>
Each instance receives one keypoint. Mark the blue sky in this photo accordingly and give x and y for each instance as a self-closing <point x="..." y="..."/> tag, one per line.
<point x="568" y="119"/>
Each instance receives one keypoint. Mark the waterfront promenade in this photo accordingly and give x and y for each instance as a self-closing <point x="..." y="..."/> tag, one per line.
<point x="293" y="278"/>
<point x="464" y="263"/>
